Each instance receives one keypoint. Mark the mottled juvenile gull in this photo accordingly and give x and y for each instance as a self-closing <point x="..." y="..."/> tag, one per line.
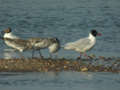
<point x="52" y="44"/>
<point x="36" y="43"/>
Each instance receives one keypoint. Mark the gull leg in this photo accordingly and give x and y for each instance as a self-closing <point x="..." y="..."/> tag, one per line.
<point x="86" y="55"/>
<point x="56" y="55"/>
<point x="40" y="54"/>
<point x="80" y="56"/>
<point x="50" y="55"/>
<point x="21" y="56"/>
<point x="33" y="53"/>
<point x="53" y="55"/>
<point x="19" y="53"/>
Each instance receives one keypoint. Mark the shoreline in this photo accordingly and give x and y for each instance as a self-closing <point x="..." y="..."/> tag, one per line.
<point x="57" y="65"/>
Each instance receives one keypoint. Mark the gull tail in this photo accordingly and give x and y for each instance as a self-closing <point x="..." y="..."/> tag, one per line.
<point x="68" y="46"/>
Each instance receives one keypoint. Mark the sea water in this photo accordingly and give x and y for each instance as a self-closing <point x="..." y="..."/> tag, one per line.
<point x="68" y="20"/>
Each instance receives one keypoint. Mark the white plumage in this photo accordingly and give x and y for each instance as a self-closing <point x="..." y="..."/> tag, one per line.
<point x="81" y="45"/>
<point x="84" y="44"/>
<point x="10" y="35"/>
<point x="32" y="43"/>
<point x="18" y="44"/>
<point x="14" y="41"/>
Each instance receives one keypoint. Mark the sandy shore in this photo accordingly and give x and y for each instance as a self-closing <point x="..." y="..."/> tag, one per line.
<point x="44" y="65"/>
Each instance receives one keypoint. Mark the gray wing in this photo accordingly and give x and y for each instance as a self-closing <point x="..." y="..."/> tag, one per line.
<point x="18" y="42"/>
<point x="39" y="42"/>
<point x="35" y="40"/>
<point x="79" y="45"/>
<point x="82" y="42"/>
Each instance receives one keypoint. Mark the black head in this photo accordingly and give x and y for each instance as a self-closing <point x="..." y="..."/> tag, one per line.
<point x="94" y="32"/>
<point x="56" y="40"/>
<point x="8" y="30"/>
<point x="58" y="43"/>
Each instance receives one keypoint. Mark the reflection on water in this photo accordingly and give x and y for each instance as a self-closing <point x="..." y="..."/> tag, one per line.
<point x="69" y="80"/>
<point x="66" y="19"/>
<point x="9" y="53"/>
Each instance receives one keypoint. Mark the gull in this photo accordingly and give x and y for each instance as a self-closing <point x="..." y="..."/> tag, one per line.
<point x="14" y="41"/>
<point x="52" y="44"/>
<point x="84" y="44"/>
<point x="18" y="44"/>
<point x="7" y="33"/>
<point x="35" y="43"/>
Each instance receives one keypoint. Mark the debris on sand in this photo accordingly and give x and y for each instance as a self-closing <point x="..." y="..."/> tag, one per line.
<point x="45" y="65"/>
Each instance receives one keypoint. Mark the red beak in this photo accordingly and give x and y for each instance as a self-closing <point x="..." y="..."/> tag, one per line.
<point x="99" y="34"/>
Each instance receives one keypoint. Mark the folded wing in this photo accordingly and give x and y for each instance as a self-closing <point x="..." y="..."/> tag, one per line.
<point x="80" y="45"/>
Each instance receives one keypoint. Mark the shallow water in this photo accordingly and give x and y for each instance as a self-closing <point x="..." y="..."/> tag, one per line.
<point x="60" y="80"/>
<point x="68" y="20"/>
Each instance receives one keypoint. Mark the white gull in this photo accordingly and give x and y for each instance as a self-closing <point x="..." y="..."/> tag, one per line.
<point x="84" y="44"/>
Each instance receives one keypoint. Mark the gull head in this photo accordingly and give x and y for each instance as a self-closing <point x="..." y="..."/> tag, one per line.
<point x="95" y="33"/>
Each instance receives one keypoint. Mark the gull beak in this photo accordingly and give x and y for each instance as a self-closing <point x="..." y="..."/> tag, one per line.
<point x="99" y="34"/>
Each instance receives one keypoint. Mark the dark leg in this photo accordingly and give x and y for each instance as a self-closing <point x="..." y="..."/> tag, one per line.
<point x="40" y="54"/>
<point x="33" y="53"/>
<point x="50" y="55"/>
<point x="53" y="55"/>
<point x="56" y="55"/>
<point x="21" y="56"/>
<point x="80" y="56"/>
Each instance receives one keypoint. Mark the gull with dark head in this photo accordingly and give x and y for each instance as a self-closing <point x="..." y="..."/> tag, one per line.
<point x="14" y="41"/>
<point x="7" y="33"/>
<point x="36" y="43"/>
<point x="84" y="44"/>
<point x="18" y="44"/>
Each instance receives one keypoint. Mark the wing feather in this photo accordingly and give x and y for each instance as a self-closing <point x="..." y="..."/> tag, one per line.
<point x="80" y="45"/>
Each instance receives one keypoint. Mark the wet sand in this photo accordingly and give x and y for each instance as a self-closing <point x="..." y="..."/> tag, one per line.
<point x="101" y="64"/>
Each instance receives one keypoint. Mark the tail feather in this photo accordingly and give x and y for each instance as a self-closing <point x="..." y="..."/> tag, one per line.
<point x="69" y="46"/>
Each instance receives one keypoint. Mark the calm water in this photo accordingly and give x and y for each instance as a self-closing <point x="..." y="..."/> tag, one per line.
<point x="68" y="20"/>
<point x="58" y="81"/>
